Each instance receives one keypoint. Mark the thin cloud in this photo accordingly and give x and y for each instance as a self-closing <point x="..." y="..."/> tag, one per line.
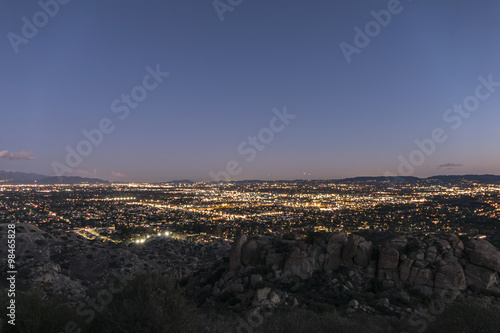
<point x="117" y="174"/>
<point x="22" y="155"/>
<point x="450" y="165"/>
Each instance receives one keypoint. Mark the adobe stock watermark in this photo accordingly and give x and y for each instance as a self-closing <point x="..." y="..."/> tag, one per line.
<point x="121" y="107"/>
<point x="223" y="6"/>
<point x="454" y="118"/>
<point x="372" y="29"/>
<point x="29" y="28"/>
<point x="254" y="144"/>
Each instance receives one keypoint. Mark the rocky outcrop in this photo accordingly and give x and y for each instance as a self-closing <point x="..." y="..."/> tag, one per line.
<point x="482" y="253"/>
<point x="249" y="252"/>
<point x="429" y="264"/>
<point x="424" y="281"/>
<point x="297" y="264"/>
<point x="388" y="259"/>
<point x="63" y="263"/>
<point x="235" y="253"/>
<point x="450" y="275"/>
<point x="274" y="259"/>
<point x="350" y="248"/>
<point x="405" y="269"/>
<point x="364" y="254"/>
<point x="480" y="277"/>
<point x="483" y="266"/>
<point x="388" y="274"/>
<point x="334" y="251"/>
<point x="362" y="273"/>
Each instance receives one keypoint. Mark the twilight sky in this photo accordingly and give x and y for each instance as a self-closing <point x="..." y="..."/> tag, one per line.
<point x="266" y="93"/>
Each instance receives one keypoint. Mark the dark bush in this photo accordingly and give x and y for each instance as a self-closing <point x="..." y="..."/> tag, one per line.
<point x="41" y="242"/>
<point x="24" y="273"/>
<point x="36" y="313"/>
<point x="376" y="286"/>
<point x="304" y="322"/>
<point x="149" y="303"/>
<point x="320" y="307"/>
<point x="262" y="270"/>
<point x="227" y="295"/>
<point x="468" y="315"/>
<point x="215" y="276"/>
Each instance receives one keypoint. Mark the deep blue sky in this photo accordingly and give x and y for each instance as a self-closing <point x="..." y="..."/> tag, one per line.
<point x="227" y="77"/>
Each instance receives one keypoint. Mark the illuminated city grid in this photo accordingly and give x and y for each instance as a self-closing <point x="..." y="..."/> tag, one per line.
<point x="127" y="213"/>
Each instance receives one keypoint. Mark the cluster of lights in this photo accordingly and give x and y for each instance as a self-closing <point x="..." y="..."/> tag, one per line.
<point x="140" y="241"/>
<point x="121" y="199"/>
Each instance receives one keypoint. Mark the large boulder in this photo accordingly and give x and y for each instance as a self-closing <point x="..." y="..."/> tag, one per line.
<point x="249" y="252"/>
<point x="424" y="281"/>
<point x="371" y="270"/>
<point x="297" y="264"/>
<point x="388" y="258"/>
<point x="398" y="243"/>
<point x="262" y="294"/>
<point x="482" y="253"/>
<point x="317" y="256"/>
<point x="350" y="248"/>
<point x="455" y="241"/>
<point x="405" y="269"/>
<point x="450" y="276"/>
<point x="235" y="253"/>
<point x="363" y="254"/>
<point x="480" y="277"/>
<point x="443" y="244"/>
<point x="334" y="251"/>
<point x="413" y="275"/>
<point x="274" y="259"/>
<point x="255" y="279"/>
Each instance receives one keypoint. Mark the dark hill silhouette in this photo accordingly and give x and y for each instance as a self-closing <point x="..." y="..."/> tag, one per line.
<point x="16" y="178"/>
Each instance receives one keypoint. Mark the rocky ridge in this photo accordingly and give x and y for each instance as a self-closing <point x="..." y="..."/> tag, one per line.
<point x="396" y="276"/>
<point x="63" y="263"/>
<point x="391" y="275"/>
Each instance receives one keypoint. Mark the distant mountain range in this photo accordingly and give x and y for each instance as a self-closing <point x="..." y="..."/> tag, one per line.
<point x="14" y="178"/>
<point x="180" y="181"/>
<point x="483" y="179"/>
<point x="30" y="178"/>
<point x="490" y="179"/>
<point x="449" y="179"/>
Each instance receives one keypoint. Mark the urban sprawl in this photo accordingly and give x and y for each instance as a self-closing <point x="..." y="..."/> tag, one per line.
<point x="202" y="212"/>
